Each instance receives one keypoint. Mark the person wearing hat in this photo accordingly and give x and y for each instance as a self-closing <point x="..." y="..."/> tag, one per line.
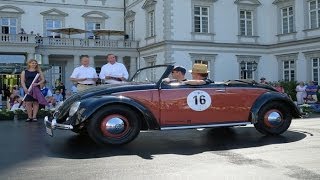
<point x="263" y="80"/>
<point x="199" y="75"/>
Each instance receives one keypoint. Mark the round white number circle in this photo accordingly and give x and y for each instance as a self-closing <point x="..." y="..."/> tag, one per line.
<point x="199" y="100"/>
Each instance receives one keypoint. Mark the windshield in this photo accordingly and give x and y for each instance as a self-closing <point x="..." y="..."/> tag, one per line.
<point x="150" y="74"/>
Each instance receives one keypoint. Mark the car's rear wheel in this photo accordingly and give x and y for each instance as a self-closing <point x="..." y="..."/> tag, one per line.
<point x="114" y="125"/>
<point x="274" y="118"/>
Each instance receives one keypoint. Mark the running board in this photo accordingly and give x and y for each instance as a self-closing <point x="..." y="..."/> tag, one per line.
<point x="205" y="126"/>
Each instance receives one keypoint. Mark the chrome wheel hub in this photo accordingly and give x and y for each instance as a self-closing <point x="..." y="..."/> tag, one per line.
<point x="115" y="125"/>
<point x="274" y="118"/>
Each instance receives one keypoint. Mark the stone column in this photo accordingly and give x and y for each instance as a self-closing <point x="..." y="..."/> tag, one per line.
<point x="120" y="59"/>
<point x="133" y="66"/>
<point x="45" y="59"/>
<point x="76" y="61"/>
<point x="91" y="61"/>
<point x="30" y="56"/>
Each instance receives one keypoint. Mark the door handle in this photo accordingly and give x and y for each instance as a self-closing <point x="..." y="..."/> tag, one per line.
<point x="220" y="90"/>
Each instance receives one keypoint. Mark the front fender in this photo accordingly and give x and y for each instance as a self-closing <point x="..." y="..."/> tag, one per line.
<point x="91" y="105"/>
<point x="269" y="97"/>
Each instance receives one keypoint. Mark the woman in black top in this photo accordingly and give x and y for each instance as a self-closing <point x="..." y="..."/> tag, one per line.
<point x="27" y="77"/>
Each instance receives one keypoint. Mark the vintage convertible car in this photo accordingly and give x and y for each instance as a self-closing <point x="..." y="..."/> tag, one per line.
<point x="115" y="113"/>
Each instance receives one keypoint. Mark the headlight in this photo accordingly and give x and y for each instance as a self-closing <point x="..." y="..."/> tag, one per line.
<point x="74" y="108"/>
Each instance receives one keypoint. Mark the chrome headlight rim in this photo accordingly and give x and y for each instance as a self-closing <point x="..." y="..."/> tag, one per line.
<point x="74" y="108"/>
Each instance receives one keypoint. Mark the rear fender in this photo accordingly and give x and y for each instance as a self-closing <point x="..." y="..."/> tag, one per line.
<point x="89" y="106"/>
<point x="269" y="97"/>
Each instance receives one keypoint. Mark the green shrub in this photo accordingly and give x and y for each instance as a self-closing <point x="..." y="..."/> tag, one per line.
<point x="290" y="88"/>
<point x="20" y="114"/>
<point x="6" y="115"/>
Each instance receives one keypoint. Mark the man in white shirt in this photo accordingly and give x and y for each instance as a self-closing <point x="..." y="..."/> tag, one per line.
<point x="113" y="72"/>
<point x="85" y="76"/>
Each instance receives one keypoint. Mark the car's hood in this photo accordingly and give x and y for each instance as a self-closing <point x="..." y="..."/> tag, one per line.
<point x="101" y="90"/>
<point x="106" y="89"/>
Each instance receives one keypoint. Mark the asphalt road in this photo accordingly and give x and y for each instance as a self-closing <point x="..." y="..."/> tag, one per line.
<point x="26" y="152"/>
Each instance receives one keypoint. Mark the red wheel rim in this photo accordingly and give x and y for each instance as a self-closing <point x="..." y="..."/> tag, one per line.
<point x="273" y="118"/>
<point x="114" y="126"/>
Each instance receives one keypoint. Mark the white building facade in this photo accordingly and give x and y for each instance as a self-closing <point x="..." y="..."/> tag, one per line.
<point x="59" y="52"/>
<point x="281" y="36"/>
<point x="238" y="39"/>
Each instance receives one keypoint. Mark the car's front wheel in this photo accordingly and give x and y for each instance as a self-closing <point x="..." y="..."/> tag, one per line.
<point x="114" y="125"/>
<point x="274" y="118"/>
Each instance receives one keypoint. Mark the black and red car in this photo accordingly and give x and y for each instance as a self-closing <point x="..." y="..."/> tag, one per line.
<point x="115" y="113"/>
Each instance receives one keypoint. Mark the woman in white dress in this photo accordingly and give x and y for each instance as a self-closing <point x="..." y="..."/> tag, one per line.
<point x="301" y="93"/>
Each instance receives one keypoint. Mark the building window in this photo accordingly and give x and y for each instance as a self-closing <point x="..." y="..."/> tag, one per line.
<point x="315" y="69"/>
<point x="151" y="24"/>
<point x="92" y="26"/>
<point x="246" y="23"/>
<point x="131" y="30"/>
<point x="201" y="19"/>
<point x="289" y="70"/>
<point x="52" y="24"/>
<point x="8" y="25"/>
<point x="287" y="20"/>
<point x="54" y="75"/>
<point x="247" y="69"/>
<point x="314" y="14"/>
<point x="129" y="18"/>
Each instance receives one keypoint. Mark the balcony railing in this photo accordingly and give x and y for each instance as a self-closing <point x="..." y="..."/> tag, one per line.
<point x="66" y="42"/>
<point x="17" y="38"/>
<point x="97" y="43"/>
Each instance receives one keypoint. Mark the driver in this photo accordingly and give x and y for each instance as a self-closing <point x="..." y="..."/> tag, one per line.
<point x="199" y="74"/>
<point x="178" y="75"/>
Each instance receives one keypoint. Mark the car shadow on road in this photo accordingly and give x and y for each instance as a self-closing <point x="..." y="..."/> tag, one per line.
<point x="182" y="142"/>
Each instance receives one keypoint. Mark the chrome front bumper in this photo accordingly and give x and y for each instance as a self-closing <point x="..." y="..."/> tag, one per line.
<point x="52" y="125"/>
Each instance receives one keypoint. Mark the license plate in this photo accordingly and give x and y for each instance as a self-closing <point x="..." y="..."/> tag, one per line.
<point x="49" y="131"/>
<point x="47" y="124"/>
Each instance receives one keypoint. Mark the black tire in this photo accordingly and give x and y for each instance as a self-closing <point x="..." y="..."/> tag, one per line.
<point x="81" y="132"/>
<point x="278" y="126"/>
<point x="101" y="135"/>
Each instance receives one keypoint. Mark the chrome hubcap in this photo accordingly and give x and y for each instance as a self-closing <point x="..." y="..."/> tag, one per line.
<point x="115" y="126"/>
<point x="274" y="118"/>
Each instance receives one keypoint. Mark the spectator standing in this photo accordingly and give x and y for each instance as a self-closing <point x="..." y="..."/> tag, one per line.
<point x="62" y="89"/>
<point x="46" y="92"/>
<point x="57" y="96"/>
<point x="113" y="72"/>
<point x="278" y="87"/>
<point x="27" y="76"/>
<point x="263" y="80"/>
<point x="21" y="91"/>
<point x="85" y="76"/>
<point x="311" y="90"/>
<point x="301" y="93"/>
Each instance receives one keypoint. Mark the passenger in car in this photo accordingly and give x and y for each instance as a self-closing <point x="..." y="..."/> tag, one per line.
<point x="199" y="75"/>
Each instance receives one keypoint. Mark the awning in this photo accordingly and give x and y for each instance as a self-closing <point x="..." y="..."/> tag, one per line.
<point x="17" y="68"/>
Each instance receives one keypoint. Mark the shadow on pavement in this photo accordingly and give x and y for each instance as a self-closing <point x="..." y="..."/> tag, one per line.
<point x="182" y="142"/>
<point x="21" y="141"/>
